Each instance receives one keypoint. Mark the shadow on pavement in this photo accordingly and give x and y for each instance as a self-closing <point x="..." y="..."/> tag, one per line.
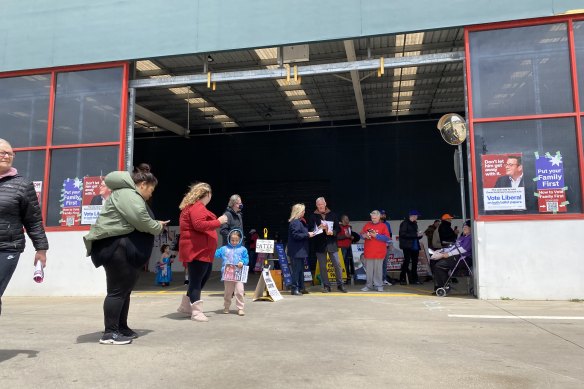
<point x="9" y="354"/>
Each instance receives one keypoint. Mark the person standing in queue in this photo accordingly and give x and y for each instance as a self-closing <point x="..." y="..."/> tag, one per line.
<point x="409" y="242"/>
<point x="234" y="217"/>
<point x="198" y="242"/>
<point x="121" y="240"/>
<point x="298" y="236"/>
<point x="19" y="212"/>
<point x="326" y="243"/>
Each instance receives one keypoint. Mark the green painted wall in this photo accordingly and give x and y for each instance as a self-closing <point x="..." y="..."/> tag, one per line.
<point x="41" y="33"/>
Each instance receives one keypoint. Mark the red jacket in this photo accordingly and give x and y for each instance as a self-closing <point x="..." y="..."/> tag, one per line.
<point x="342" y="240"/>
<point x="198" y="233"/>
<point x="374" y="248"/>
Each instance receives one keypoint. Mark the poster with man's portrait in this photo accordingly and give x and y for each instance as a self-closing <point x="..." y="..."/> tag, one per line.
<point x="503" y="182"/>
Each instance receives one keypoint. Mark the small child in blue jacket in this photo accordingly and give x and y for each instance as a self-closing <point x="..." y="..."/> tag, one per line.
<point x="233" y="253"/>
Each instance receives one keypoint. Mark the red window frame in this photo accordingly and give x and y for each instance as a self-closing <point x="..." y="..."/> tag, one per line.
<point x="48" y="147"/>
<point x="577" y="114"/>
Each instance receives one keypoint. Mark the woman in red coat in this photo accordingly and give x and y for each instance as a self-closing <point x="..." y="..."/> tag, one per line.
<point x="197" y="245"/>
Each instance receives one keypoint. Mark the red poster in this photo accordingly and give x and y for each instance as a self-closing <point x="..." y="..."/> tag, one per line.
<point x="94" y="191"/>
<point x="70" y="216"/>
<point x="551" y="200"/>
<point x="493" y="167"/>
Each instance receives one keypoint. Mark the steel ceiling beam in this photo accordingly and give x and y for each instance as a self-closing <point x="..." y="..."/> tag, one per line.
<point x="352" y="57"/>
<point x="309" y="70"/>
<point x="157" y="120"/>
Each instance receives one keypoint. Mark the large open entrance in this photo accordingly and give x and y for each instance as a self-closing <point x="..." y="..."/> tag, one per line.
<point x="365" y="107"/>
<point x="353" y="121"/>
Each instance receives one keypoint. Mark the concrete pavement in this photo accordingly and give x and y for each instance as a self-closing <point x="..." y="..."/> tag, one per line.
<point x="400" y="338"/>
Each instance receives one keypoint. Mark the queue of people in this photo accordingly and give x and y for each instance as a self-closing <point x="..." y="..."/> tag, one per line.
<point x="122" y="239"/>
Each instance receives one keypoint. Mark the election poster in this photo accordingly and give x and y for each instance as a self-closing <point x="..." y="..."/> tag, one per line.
<point x="549" y="178"/>
<point x="234" y="273"/>
<point x="71" y="198"/>
<point x="503" y="182"/>
<point x="95" y="192"/>
<point x="38" y="189"/>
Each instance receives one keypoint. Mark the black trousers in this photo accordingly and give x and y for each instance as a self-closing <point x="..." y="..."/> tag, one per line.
<point x="121" y="278"/>
<point x="441" y="269"/>
<point x="199" y="273"/>
<point x="410" y="256"/>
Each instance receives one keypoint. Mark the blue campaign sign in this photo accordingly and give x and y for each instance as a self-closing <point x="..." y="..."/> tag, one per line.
<point x="284" y="267"/>
<point x="549" y="171"/>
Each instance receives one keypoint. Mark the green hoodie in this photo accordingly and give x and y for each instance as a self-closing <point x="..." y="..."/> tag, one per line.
<point x="123" y="212"/>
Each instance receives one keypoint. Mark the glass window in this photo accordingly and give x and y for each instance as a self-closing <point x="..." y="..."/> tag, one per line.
<point x="527" y="167"/>
<point x="69" y="167"/>
<point x="88" y="106"/>
<point x="31" y="165"/>
<point x="579" y="43"/>
<point x="24" y="109"/>
<point x="521" y="71"/>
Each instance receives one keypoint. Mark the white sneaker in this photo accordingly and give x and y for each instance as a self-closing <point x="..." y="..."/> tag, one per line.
<point x="226" y="310"/>
<point x="365" y="289"/>
<point x="380" y="289"/>
<point x="386" y="282"/>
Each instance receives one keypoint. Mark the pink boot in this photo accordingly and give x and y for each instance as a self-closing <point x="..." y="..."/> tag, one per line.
<point x="197" y="311"/>
<point x="185" y="306"/>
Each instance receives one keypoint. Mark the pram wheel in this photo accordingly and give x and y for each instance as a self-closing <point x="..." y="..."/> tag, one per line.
<point x="441" y="292"/>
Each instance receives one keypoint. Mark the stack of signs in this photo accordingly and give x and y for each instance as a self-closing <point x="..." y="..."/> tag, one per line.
<point x="284" y="266"/>
<point x="549" y="176"/>
<point x="71" y="197"/>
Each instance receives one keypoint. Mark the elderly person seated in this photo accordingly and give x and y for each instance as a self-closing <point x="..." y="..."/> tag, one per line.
<point x="448" y="257"/>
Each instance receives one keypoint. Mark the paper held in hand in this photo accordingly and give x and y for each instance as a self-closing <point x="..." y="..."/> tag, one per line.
<point x="39" y="274"/>
<point x="234" y="273"/>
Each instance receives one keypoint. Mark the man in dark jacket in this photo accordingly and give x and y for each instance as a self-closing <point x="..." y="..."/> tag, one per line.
<point x="234" y="217"/>
<point x="19" y="210"/>
<point x="447" y="234"/>
<point x="325" y="242"/>
<point x="409" y="242"/>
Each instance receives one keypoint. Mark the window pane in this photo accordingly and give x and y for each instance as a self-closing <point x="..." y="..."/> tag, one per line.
<point x="579" y="43"/>
<point x="548" y="160"/>
<point x="521" y="71"/>
<point x="24" y="109"/>
<point x="87" y="106"/>
<point x="31" y="165"/>
<point x="68" y="169"/>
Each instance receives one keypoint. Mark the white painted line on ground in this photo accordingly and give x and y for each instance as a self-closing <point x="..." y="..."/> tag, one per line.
<point x="519" y="317"/>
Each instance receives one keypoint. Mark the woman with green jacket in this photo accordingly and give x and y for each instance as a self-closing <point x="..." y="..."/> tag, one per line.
<point x="121" y="241"/>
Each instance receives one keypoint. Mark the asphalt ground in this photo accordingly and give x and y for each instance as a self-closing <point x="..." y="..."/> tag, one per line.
<point x="403" y="337"/>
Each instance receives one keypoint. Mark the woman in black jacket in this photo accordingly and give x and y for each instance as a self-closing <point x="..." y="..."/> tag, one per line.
<point x="409" y="242"/>
<point x="298" y="236"/>
<point x="19" y="211"/>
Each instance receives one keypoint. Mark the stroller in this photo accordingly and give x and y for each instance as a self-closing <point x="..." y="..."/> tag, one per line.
<point x="460" y="269"/>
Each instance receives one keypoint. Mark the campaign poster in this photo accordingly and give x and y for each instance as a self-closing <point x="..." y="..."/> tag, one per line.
<point x="549" y="177"/>
<point x="71" y="199"/>
<point x="357" y="250"/>
<point x="38" y="188"/>
<point x="95" y="192"/>
<point x="503" y="183"/>
<point x="234" y="273"/>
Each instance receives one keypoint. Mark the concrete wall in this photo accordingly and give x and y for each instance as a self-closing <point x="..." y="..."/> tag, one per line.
<point x="39" y="33"/>
<point x="68" y="271"/>
<point x="536" y="260"/>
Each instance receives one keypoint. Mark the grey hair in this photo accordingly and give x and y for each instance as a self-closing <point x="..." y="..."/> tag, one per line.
<point x="5" y="141"/>
<point x="320" y="199"/>
<point x="233" y="199"/>
<point x="375" y="213"/>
